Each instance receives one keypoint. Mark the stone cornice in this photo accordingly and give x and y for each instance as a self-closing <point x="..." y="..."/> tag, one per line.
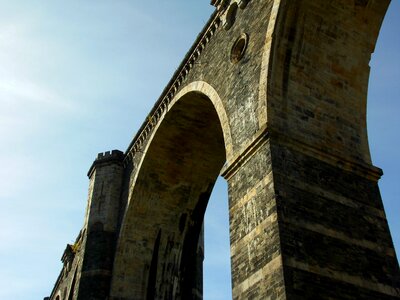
<point x="245" y="154"/>
<point x="359" y="168"/>
<point x="264" y="134"/>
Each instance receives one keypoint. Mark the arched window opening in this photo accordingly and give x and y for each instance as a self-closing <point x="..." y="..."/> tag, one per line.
<point x="217" y="266"/>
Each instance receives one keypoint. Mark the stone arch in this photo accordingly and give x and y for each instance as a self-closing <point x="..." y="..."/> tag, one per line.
<point x="172" y="185"/>
<point x="303" y="38"/>
<point x="265" y="65"/>
<point x="207" y="89"/>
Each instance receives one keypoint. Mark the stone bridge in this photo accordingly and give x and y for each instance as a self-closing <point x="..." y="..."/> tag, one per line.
<point x="272" y="95"/>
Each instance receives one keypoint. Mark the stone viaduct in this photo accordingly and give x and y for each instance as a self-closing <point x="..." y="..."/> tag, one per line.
<point x="272" y="96"/>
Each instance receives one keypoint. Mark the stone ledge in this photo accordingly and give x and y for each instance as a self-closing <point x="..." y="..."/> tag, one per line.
<point x="264" y="134"/>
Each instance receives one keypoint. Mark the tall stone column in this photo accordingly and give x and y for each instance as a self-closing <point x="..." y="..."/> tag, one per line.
<point x="256" y="252"/>
<point x="307" y="220"/>
<point x="101" y="225"/>
<point x="335" y="240"/>
<point x="303" y="227"/>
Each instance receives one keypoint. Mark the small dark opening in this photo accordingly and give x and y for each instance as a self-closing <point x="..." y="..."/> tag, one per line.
<point x="231" y="15"/>
<point x="239" y="48"/>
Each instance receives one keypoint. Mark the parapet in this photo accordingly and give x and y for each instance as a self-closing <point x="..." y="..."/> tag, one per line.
<point x="114" y="156"/>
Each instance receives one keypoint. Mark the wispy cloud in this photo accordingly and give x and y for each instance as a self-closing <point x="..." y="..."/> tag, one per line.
<point x="16" y="93"/>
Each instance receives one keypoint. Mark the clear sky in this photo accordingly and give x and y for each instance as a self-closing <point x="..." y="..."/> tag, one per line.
<point x="78" y="78"/>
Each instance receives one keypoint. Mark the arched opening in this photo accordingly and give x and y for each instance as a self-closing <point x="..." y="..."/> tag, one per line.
<point x="231" y="15"/>
<point x="163" y="227"/>
<point x="382" y="115"/>
<point x="217" y="263"/>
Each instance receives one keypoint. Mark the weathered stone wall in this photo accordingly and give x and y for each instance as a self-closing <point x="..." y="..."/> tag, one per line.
<point x="257" y="270"/>
<point x="162" y="225"/>
<point x="333" y="231"/>
<point x="286" y="114"/>
<point x="237" y="86"/>
<point x="318" y="78"/>
<point x="332" y="225"/>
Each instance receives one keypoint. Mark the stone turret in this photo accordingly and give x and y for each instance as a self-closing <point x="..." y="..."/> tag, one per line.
<point x="105" y="176"/>
<point x="101" y="224"/>
<point x="87" y="264"/>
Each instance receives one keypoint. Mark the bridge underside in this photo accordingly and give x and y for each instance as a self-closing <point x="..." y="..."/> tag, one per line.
<point x="163" y="231"/>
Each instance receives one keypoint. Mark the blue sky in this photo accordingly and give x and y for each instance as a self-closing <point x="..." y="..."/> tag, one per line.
<point x="79" y="78"/>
